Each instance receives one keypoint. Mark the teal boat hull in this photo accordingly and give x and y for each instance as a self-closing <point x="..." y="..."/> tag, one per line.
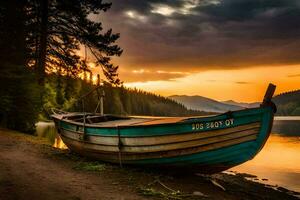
<point x="206" y="144"/>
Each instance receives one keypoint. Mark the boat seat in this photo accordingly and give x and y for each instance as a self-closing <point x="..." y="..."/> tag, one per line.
<point x="114" y="120"/>
<point x="140" y="121"/>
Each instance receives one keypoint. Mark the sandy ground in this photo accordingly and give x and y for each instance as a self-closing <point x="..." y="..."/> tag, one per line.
<point x="31" y="169"/>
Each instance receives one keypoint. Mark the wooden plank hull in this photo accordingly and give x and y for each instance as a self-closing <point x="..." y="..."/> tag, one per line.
<point x="205" y="143"/>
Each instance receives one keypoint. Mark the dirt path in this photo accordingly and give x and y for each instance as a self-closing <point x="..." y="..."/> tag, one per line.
<point x="31" y="169"/>
<point x="27" y="173"/>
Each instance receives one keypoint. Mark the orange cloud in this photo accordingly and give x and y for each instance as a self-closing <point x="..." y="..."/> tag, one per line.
<point x="244" y="85"/>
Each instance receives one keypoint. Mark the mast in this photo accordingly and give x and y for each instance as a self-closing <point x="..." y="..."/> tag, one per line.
<point x="102" y="94"/>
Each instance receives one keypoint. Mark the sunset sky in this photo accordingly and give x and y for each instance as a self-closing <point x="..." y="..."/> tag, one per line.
<point x="222" y="49"/>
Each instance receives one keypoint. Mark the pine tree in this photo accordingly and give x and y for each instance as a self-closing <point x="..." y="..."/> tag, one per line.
<point x="19" y="93"/>
<point x="60" y="28"/>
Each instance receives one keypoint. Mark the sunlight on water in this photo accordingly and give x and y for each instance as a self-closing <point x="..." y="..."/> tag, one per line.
<point x="278" y="162"/>
<point x="58" y="143"/>
<point x="48" y="130"/>
<point x="287" y="118"/>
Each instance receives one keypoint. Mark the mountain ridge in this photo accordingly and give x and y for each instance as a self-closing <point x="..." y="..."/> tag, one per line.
<point x="288" y="103"/>
<point x="206" y="104"/>
<point x="242" y="104"/>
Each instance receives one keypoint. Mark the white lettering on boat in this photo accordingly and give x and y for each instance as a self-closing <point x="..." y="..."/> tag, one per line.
<point x="212" y="125"/>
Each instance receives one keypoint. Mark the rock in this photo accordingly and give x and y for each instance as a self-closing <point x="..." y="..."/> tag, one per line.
<point x="245" y="175"/>
<point x="283" y="189"/>
<point x="197" y="193"/>
<point x="217" y="184"/>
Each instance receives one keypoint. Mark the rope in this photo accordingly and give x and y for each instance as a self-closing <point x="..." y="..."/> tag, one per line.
<point x="83" y="136"/>
<point x="98" y="104"/>
<point x="99" y="100"/>
<point x="58" y="112"/>
<point x="120" y="147"/>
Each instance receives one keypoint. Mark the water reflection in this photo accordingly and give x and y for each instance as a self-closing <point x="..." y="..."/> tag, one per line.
<point x="289" y="126"/>
<point x="279" y="160"/>
<point x="48" y="130"/>
<point x="58" y="143"/>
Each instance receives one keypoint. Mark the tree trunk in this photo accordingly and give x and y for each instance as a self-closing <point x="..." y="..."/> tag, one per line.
<point x="41" y="60"/>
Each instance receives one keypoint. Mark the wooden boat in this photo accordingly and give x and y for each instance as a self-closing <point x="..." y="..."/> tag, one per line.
<point x="209" y="143"/>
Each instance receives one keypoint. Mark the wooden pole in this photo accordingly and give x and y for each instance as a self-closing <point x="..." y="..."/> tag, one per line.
<point x="101" y="95"/>
<point x="101" y="102"/>
<point x="98" y="79"/>
<point x="269" y="93"/>
<point x="84" y="121"/>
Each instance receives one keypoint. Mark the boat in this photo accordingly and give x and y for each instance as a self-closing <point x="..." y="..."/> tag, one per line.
<point x="206" y="144"/>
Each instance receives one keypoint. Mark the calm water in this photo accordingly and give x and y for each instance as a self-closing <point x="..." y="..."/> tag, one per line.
<point x="48" y="130"/>
<point x="278" y="162"/>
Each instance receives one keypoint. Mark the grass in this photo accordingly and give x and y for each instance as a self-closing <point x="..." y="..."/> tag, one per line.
<point x="155" y="193"/>
<point x="90" y="166"/>
<point x="162" y="191"/>
<point x="24" y="137"/>
<point x="176" y="195"/>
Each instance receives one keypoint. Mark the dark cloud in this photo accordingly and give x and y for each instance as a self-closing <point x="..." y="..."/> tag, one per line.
<point x="141" y="6"/>
<point x="196" y="35"/>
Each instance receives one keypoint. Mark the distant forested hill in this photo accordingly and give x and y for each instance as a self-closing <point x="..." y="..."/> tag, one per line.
<point x="288" y="103"/>
<point x="204" y="104"/>
<point x="64" y="92"/>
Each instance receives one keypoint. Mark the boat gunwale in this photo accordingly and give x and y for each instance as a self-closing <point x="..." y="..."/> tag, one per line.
<point x="256" y="123"/>
<point x="189" y="120"/>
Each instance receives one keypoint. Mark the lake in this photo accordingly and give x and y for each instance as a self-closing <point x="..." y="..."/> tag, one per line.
<point x="278" y="163"/>
<point x="279" y="160"/>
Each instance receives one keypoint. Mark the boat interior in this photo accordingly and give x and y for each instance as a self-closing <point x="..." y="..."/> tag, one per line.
<point x="114" y="120"/>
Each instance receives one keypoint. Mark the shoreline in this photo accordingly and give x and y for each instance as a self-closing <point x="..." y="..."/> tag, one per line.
<point x="30" y="167"/>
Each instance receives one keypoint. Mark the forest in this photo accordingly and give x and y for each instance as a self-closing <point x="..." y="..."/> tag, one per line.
<point x="65" y="93"/>
<point x="41" y="66"/>
<point x="288" y="103"/>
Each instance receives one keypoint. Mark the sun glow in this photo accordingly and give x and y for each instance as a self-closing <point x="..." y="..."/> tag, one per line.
<point x="140" y="71"/>
<point x="245" y="85"/>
